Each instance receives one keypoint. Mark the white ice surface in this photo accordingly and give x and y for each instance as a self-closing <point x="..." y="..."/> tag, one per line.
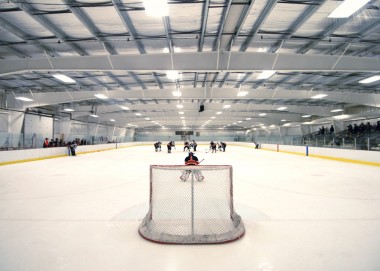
<point x="82" y="213"/>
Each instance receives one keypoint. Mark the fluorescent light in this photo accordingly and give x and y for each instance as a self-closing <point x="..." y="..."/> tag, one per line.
<point x="226" y="106"/>
<point x="179" y="105"/>
<point x="266" y="74"/>
<point x="124" y="107"/>
<point x="156" y="8"/>
<point x="262" y="114"/>
<point x="24" y="99"/>
<point x="282" y="108"/>
<point x="339" y="117"/>
<point x="69" y="109"/>
<point x="101" y="96"/>
<point x="242" y="93"/>
<point x="370" y="79"/>
<point x="219" y="112"/>
<point x="147" y="118"/>
<point x="319" y="96"/>
<point x="173" y="75"/>
<point x="337" y="110"/>
<point x="306" y="116"/>
<point x="94" y="116"/>
<point x="213" y="117"/>
<point x="112" y="120"/>
<point x="63" y="78"/>
<point x="240" y="121"/>
<point x="283" y="120"/>
<point x="137" y="114"/>
<point x="347" y="8"/>
<point x="181" y="112"/>
<point x="177" y="93"/>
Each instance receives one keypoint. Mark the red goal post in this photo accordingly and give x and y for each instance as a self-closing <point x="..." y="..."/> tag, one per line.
<point x="192" y="210"/>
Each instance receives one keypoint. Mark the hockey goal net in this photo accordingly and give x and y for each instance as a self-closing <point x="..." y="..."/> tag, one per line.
<point x="191" y="205"/>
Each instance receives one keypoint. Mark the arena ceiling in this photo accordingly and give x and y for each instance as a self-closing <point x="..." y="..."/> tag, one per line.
<point x="221" y="51"/>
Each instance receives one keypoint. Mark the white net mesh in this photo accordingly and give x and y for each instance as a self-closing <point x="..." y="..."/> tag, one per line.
<point x="191" y="205"/>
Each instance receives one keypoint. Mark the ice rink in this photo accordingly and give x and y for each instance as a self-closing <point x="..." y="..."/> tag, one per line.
<point x="82" y="214"/>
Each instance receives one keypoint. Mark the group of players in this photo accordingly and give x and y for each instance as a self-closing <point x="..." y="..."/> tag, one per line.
<point x="221" y="146"/>
<point x="192" y="146"/>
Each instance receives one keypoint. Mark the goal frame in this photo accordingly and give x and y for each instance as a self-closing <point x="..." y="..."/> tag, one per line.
<point x="235" y="233"/>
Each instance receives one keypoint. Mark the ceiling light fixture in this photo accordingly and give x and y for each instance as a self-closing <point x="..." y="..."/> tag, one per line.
<point x="319" y="96"/>
<point x="337" y="110"/>
<point x="340" y="117"/>
<point x="112" y="120"/>
<point x="63" y="78"/>
<point x="282" y="108"/>
<point x="124" y="107"/>
<point x="156" y="8"/>
<point x="306" y="116"/>
<point x="266" y="74"/>
<point x="370" y="79"/>
<point x="177" y="93"/>
<point x="242" y="93"/>
<point x="94" y="116"/>
<point x="179" y="105"/>
<point x="347" y="8"/>
<point x="101" y="96"/>
<point x="226" y="106"/>
<point x="172" y="75"/>
<point x="262" y="114"/>
<point x="69" y="109"/>
<point x="24" y="99"/>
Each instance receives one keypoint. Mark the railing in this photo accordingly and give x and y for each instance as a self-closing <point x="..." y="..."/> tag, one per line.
<point x="370" y="142"/>
<point x="9" y="141"/>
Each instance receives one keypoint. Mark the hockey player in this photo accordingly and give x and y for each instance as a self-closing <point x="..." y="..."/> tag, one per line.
<point x="157" y="146"/>
<point x="186" y="146"/>
<point x="191" y="160"/>
<point x="224" y="145"/>
<point x="194" y="145"/>
<point x="213" y="147"/>
<point x="169" y="146"/>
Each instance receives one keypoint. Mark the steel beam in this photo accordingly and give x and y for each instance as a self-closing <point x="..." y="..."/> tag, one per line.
<point x="189" y="62"/>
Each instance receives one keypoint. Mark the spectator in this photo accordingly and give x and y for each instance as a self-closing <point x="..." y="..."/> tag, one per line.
<point x="356" y="129"/>
<point x="362" y="128"/>
<point x="73" y="146"/>
<point x="368" y="128"/>
<point x="332" y="129"/>
<point x="46" y="143"/>
<point x="350" y="129"/>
